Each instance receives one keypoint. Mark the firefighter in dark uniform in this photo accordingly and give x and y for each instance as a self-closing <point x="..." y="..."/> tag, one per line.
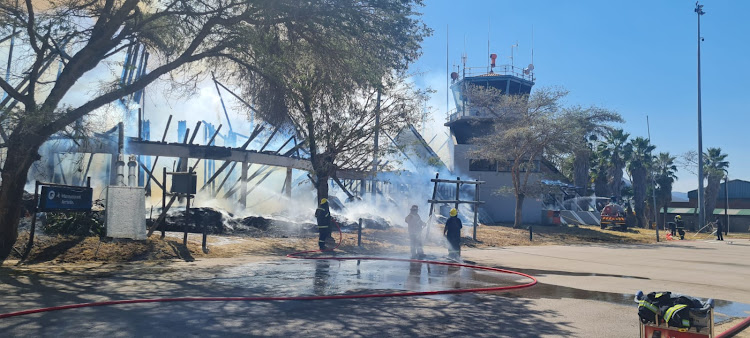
<point x="719" y="230"/>
<point x="453" y="233"/>
<point x="323" y="216"/>
<point x="677" y="223"/>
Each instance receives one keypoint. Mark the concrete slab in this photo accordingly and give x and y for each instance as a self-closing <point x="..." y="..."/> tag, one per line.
<point x="584" y="291"/>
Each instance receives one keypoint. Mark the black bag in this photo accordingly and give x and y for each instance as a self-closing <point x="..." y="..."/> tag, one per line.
<point x="651" y="307"/>
<point x="678" y="316"/>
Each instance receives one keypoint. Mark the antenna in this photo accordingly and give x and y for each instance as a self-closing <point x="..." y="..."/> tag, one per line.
<point x="511" y="55"/>
<point x="447" y="71"/>
<point x="488" y="43"/>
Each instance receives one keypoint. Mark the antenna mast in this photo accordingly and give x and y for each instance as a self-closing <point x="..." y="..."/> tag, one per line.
<point x="447" y="73"/>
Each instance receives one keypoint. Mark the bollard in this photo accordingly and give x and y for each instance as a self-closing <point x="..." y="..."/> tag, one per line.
<point x="531" y="234"/>
<point x="359" y="233"/>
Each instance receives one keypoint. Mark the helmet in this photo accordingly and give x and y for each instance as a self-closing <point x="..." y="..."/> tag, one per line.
<point x="414" y="207"/>
<point x="454" y="212"/>
<point x="323" y="200"/>
<point x="678" y="217"/>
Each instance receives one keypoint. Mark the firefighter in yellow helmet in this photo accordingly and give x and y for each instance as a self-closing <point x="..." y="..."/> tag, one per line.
<point x="452" y="232"/>
<point x="323" y="216"/>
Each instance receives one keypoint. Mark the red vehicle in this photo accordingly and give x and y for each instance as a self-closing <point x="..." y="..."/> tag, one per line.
<point x="613" y="214"/>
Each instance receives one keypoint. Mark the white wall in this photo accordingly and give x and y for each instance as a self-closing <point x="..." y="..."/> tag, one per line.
<point x="501" y="207"/>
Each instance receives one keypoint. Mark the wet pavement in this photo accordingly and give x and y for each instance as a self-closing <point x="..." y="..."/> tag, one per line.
<point x="583" y="291"/>
<point x="294" y="277"/>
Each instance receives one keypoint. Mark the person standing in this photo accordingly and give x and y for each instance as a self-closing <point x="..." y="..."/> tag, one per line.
<point x="453" y="233"/>
<point x="323" y="216"/>
<point x="415" y="225"/>
<point x="719" y="230"/>
<point x="676" y="224"/>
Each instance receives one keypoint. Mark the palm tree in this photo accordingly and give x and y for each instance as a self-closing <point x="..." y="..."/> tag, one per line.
<point x="639" y="162"/>
<point x="599" y="170"/>
<point x="665" y="175"/>
<point x="588" y="124"/>
<point x="613" y="151"/>
<point x="715" y="167"/>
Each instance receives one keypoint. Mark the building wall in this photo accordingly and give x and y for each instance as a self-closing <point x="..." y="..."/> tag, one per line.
<point x="501" y="207"/>
<point x="736" y="203"/>
<point x="736" y="223"/>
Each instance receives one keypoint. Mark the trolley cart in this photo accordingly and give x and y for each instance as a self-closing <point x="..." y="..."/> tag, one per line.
<point x="702" y="323"/>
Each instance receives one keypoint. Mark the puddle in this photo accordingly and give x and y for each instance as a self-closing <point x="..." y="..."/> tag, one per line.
<point x="328" y="277"/>
<point x="723" y="309"/>
<point x="538" y="273"/>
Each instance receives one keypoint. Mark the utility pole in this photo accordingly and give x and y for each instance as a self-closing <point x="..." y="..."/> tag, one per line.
<point x="653" y="190"/>
<point x="701" y="198"/>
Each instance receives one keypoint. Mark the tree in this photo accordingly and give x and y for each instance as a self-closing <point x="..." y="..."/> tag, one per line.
<point x="612" y="150"/>
<point x="599" y="170"/>
<point x="715" y="167"/>
<point x="589" y="124"/>
<point x="639" y="162"/>
<point x="185" y="39"/>
<point x="333" y="99"/>
<point x="528" y="129"/>
<point x="665" y="175"/>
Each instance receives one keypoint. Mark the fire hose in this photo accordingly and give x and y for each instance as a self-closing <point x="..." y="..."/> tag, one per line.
<point x="735" y="329"/>
<point x="301" y="255"/>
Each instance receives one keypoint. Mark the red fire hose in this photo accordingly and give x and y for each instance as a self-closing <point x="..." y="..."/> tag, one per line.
<point x="735" y="329"/>
<point x="299" y="255"/>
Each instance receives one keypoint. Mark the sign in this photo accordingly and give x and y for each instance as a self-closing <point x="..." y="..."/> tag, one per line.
<point x="61" y="198"/>
<point x="184" y="183"/>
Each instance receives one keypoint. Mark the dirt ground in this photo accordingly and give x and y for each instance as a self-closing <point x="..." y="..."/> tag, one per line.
<point x="71" y="249"/>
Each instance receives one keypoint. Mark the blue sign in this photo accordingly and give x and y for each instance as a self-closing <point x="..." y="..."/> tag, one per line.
<point x="61" y="198"/>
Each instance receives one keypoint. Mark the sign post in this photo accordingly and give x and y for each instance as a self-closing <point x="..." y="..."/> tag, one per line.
<point x="57" y="198"/>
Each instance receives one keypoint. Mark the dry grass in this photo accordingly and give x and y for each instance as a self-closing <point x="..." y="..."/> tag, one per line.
<point x="71" y="249"/>
<point x="505" y="235"/>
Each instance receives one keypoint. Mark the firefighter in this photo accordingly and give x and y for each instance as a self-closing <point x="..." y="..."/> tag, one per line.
<point x="719" y="230"/>
<point x="415" y="232"/>
<point x="323" y="216"/>
<point x="453" y="233"/>
<point x="673" y="226"/>
<point x="680" y="226"/>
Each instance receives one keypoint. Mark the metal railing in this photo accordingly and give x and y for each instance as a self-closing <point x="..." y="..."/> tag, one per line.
<point x="498" y="70"/>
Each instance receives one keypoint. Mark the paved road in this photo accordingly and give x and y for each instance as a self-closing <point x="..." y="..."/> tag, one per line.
<point x="584" y="291"/>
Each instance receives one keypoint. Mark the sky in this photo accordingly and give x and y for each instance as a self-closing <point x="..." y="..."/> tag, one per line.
<point x="638" y="58"/>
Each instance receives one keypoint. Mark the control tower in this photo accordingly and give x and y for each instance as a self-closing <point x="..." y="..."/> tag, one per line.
<point x="466" y="123"/>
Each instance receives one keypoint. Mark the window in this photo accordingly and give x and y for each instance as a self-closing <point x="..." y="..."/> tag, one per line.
<point x="482" y="165"/>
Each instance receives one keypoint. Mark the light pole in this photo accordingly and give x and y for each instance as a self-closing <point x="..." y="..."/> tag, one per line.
<point x="701" y="211"/>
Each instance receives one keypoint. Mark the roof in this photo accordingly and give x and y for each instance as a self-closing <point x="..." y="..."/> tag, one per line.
<point x="717" y="211"/>
<point x="737" y="189"/>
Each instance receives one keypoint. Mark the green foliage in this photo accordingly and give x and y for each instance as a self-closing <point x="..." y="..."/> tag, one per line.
<point x="639" y="163"/>
<point x="612" y="159"/>
<point x="715" y="167"/>
<point x="77" y="224"/>
<point x="714" y="162"/>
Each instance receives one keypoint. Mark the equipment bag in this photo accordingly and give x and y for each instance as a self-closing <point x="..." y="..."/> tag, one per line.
<point x="651" y="307"/>
<point x="678" y="316"/>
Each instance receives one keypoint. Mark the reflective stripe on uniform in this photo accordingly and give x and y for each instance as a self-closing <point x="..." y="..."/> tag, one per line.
<point x="323" y="227"/>
<point x="649" y="306"/>
<point x="670" y="312"/>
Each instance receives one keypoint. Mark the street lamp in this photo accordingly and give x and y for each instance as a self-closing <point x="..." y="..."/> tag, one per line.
<point x="701" y="211"/>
